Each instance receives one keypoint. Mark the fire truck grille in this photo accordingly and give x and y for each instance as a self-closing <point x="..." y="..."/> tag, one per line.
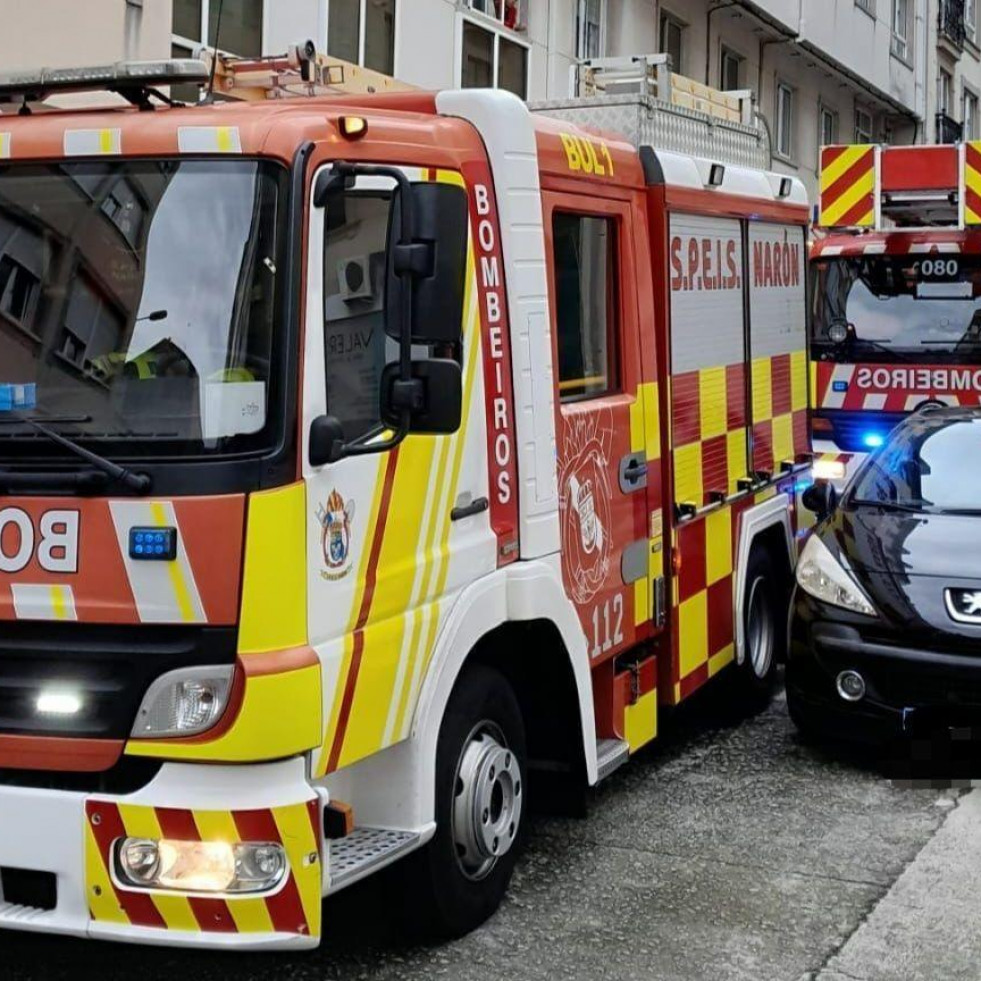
<point x="102" y="672"/>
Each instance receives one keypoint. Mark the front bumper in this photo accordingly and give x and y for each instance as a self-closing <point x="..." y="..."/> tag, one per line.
<point x="908" y="688"/>
<point x="69" y="836"/>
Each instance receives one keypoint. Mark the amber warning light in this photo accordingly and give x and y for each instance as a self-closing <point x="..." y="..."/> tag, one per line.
<point x="353" y="127"/>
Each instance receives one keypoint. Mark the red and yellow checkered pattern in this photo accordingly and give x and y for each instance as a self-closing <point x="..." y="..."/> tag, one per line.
<point x="972" y="183"/>
<point x="294" y="908"/>
<point x="708" y="430"/>
<point x="704" y="600"/>
<point x="779" y="407"/>
<point x="848" y="186"/>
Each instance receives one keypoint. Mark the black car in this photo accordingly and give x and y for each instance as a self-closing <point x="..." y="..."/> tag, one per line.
<point x="885" y="634"/>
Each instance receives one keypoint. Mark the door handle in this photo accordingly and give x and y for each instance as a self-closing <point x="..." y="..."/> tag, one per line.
<point x="633" y="472"/>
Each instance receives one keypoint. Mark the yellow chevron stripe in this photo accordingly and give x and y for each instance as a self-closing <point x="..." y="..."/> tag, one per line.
<point x="59" y="603"/>
<point x="831" y="212"/>
<point x="251" y="915"/>
<point x="175" y="570"/>
<point x="300" y="843"/>
<point x="844" y="162"/>
<point x="141" y="822"/>
<point x="101" y="895"/>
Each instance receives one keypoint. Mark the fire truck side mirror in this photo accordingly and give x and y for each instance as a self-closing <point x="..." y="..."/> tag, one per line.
<point x="326" y="441"/>
<point x="434" y="396"/>
<point x="436" y="259"/>
<point x="821" y="498"/>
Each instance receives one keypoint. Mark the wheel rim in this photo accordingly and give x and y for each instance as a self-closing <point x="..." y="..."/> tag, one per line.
<point x="487" y="802"/>
<point x="759" y="629"/>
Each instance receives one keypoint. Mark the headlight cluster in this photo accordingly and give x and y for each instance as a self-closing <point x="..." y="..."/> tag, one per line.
<point x="821" y="575"/>
<point x="200" y="866"/>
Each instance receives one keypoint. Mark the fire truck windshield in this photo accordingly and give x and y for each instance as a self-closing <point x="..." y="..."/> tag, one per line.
<point x="897" y="308"/>
<point x="138" y="303"/>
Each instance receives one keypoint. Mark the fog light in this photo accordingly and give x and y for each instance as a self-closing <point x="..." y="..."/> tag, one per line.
<point x="184" y="702"/>
<point x="851" y="686"/>
<point x="200" y="866"/>
<point x="63" y="703"/>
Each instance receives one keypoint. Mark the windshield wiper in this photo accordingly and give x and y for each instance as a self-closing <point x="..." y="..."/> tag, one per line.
<point x="138" y="482"/>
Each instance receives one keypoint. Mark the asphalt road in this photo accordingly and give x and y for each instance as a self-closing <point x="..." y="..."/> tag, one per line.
<point x="724" y="851"/>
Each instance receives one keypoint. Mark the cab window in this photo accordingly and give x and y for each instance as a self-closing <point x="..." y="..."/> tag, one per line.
<point x="585" y="267"/>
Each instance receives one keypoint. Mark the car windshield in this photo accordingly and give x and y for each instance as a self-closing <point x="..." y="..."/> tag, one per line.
<point x="138" y="303"/>
<point x="898" y="308"/>
<point x="930" y="464"/>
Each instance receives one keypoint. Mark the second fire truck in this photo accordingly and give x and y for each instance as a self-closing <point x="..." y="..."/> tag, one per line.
<point x="896" y="292"/>
<point x="368" y="466"/>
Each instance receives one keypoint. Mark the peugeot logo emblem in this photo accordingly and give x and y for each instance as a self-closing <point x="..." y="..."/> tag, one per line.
<point x="964" y="605"/>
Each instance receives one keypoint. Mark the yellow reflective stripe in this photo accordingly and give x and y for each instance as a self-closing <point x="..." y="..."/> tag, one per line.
<point x="274" y="581"/>
<point x="59" y="603"/>
<point x="973" y="179"/>
<point x="298" y="839"/>
<point x="251" y="915"/>
<point x="720" y="659"/>
<point x="100" y="892"/>
<point x="280" y="716"/>
<point x="843" y="162"/>
<point x="141" y="822"/>
<point x="224" y="138"/>
<point x="105" y="140"/>
<point x="175" y="570"/>
<point x="843" y="204"/>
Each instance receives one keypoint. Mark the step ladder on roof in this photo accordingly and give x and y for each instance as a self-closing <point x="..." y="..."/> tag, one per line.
<point x="885" y="188"/>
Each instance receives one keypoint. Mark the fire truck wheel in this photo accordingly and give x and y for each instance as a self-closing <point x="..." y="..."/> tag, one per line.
<point x="762" y="629"/>
<point x="480" y="796"/>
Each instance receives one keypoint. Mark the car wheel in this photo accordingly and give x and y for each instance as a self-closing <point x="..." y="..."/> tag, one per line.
<point x="763" y="629"/>
<point x="464" y="871"/>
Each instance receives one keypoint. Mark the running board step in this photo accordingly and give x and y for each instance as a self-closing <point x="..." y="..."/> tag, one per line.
<point x="611" y="754"/>
<point x="363" y="851"/>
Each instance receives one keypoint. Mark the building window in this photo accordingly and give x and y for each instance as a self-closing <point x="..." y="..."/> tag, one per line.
<point x="944" y="85"/>
<point x="584" y="264"/>
<point x="589" y="28"/>
<point x="730" y="70"/>
<point x="363" y="32"/>
<point x="196" y="22"/>
<point x="490" y="58"/>
<point x="971" y="20"/>
<point x="512" y="14"/>
<point x="867" y="5"/>
<point x="970" y="115"/>
<point x="672" y="42"/>
<point x="863" y="126"/>
<point x="785" y="121"/>
<point x="900" y="28"/>
<point x="828" y="121"/>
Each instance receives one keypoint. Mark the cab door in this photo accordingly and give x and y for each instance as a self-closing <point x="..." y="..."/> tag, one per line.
<point x="601" y="457"/>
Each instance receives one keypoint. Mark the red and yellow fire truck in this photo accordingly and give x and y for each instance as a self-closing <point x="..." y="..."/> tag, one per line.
<point x="896" y="288"/>
<point x="367" y="465"/>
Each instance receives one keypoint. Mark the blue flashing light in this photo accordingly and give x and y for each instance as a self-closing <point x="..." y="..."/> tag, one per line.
<point x="153" y="544"/>
<point x="873" y="440"/>
<point x="802" y="485"/>
<point x="839" y="386"/>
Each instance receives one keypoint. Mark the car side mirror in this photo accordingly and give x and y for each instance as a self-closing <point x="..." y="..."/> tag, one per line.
<point x="434" y="397"/>
<point x="821" y="498"/>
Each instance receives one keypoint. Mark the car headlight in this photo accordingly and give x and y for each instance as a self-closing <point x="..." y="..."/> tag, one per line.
<point x="821" y="575"/>
<point x="184" y="702"/>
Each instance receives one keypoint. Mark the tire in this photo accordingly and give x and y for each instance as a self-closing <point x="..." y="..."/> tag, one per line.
<point x="764" y="629"/>
<point x="457" y="882"/>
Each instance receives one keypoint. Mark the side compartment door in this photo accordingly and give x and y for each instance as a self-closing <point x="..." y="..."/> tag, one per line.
<point x="777" y="344"/>
<point x="602" y="467"/>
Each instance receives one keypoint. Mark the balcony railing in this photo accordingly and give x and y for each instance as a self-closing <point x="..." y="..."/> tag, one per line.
<point x="950" y="22"/>
<point x="948" y="130"/>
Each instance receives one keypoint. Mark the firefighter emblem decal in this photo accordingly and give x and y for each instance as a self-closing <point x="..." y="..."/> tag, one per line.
<point x="584" y="501"/>
<point x="335" y="519"/>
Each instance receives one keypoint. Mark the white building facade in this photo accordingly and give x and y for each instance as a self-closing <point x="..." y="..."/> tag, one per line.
<point x="821" y="70"/>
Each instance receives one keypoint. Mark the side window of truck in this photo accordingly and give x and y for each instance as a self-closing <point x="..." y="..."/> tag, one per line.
<point x="585" y="259"/>
<point x="354" y="310"/>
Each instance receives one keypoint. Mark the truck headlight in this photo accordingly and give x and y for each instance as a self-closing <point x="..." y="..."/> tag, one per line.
<point x="199" y="866"/>
<point x="821" y="575"/>
<point x="184" y="702"/>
